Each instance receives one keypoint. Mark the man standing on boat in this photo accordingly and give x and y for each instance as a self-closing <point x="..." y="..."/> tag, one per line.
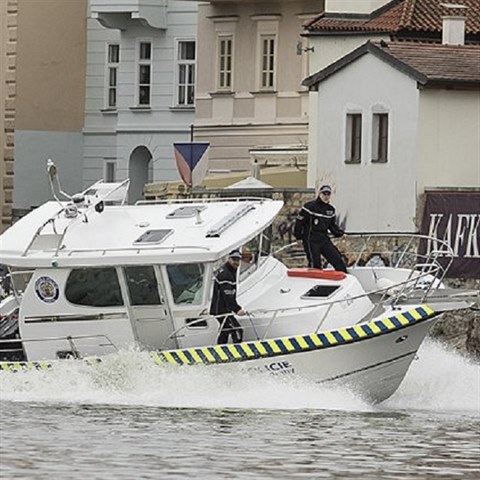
<point x="224" y="300"/>
<point x="312" y="226"/>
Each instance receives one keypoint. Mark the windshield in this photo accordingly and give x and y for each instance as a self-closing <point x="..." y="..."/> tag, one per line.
<point x="186" y="282"/>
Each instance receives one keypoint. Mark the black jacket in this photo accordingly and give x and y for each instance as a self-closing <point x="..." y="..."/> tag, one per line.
<point x="315" y="220"/>
<point x="224" y="298"/>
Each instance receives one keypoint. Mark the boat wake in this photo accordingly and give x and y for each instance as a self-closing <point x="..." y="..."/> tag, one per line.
<point x="437" y="381"/>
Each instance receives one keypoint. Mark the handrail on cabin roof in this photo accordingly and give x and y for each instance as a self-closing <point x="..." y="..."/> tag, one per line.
<point x="203" y="200"/>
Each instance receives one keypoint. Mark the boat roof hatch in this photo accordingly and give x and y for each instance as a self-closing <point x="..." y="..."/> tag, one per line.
<point x="153" y="236"/>
<point x="186" y="211"/>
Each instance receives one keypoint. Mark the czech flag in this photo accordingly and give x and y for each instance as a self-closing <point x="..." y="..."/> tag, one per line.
<point x="192" y="161"/>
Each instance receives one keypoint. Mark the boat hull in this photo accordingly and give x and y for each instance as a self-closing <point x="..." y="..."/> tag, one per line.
<point x="370" y="359"/>
<point x="372" y="365"/>
<point x="373" y="368"/>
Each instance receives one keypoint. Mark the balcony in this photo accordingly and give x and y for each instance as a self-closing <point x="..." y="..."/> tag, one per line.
<point x="119" y="14"/>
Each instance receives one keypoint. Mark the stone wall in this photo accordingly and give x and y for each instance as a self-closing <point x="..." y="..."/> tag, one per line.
<point x="460" y="330"/>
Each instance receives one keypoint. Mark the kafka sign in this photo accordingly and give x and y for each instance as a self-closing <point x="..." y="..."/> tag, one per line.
<point x="454" y="217"/>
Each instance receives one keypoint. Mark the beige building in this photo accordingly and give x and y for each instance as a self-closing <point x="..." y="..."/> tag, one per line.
<point x="42" y="91"/>
<point x="251" y="62"/>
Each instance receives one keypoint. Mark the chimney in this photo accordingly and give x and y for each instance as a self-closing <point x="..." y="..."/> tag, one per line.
<point x="453" y="30"/>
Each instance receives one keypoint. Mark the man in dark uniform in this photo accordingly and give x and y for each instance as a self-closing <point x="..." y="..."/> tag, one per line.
<point x="224" y="299"/>
<point x="314" y="221"/>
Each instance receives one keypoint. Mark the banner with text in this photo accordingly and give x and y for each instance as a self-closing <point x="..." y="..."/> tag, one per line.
<point x="454" y="217"/>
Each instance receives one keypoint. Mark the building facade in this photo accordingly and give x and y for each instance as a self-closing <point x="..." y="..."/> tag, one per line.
<point x="391" y="121"/>
<point x="251" y="62"/>
<point x="8" y="43"/>
<point x="140" y="96"/>
<point x="50" y="92"/>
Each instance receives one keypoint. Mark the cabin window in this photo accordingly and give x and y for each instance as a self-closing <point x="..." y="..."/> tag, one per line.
<point x="320" y="291"/>
<point x="186" y="282"/>
<point x="266" y="241"/>
<point x="250" y="256"/>
<point x="94" y="287"/>
<point x="142" y="285"/>
<point x="254" y="252"/>
<point x="18" y="279"/>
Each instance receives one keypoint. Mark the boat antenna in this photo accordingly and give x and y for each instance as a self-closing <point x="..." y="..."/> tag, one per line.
<point x="53" y="178"/>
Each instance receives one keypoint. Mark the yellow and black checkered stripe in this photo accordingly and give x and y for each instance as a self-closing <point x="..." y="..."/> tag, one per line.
<point x="41" y="365"/>
<point x="301" y="343"/>
<point x="17" y="366"/>
<point x="265" y="348"/>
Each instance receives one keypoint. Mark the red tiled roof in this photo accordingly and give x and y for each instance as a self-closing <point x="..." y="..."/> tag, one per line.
<point x="402" y="15"/>
<point x="438" y="63"/>
<point x="429" y="63"/>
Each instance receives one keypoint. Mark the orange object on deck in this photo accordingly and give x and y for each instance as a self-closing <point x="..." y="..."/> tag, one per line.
<point x="316" y="273"/>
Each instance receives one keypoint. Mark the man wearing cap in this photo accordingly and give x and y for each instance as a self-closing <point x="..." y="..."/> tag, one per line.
<point x="224" y="299"/>
<point x="312" y="225"/>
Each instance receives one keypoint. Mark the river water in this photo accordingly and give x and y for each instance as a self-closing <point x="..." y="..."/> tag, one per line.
<point x="130" y="419"/>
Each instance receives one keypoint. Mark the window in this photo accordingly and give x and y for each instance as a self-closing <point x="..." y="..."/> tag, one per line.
<point x="186" y="73"/>
<point x="267" y="60"/>
<point x="144" y="73"/>
<point x="320" y="291"/>
<point x="353" y="151"/>
<point x="380" y="137"/>
<point x="142" y="285"/>
<point x="225" y="63"/>
<point x="110" y="171"/>
<point x="113" y="60"/>
<point x="94" y="287"/>
<point x="186" y="282"/>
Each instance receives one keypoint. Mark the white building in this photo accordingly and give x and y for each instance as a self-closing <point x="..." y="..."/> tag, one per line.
<point x="391" y="120"/>
<point x="140" y="89"/>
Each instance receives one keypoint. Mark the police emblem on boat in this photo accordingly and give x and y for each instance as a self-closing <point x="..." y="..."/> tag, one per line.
<point x="47" y="289"/>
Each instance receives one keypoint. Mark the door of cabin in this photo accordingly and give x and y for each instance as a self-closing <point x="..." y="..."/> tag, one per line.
<point x="150" y="316"/>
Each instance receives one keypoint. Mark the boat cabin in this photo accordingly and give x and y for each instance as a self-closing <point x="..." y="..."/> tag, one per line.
<point x="123" y="274"/>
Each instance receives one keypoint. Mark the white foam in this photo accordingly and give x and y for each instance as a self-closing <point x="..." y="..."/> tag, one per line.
<point x="131" y="378"/>
<point x="439" y="380"/>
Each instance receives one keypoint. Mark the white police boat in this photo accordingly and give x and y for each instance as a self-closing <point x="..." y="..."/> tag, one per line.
<point x="92" y="275"/>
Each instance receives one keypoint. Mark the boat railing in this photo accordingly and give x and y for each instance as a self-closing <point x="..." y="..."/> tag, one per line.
<point x="80" y="214"/>
<point x="369" y="244"/>
<point x="222" y="199"/>
<point x="396" y="250"/>
<point x="137" y="250"/>
<point x="427" y="270"/>
<point x="389" y="296"/>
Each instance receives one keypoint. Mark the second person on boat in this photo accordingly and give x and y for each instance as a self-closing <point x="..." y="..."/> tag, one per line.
<point x="224" y="300"/>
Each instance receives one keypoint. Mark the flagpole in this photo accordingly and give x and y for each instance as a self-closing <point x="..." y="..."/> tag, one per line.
<point x="191" y="156"/>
